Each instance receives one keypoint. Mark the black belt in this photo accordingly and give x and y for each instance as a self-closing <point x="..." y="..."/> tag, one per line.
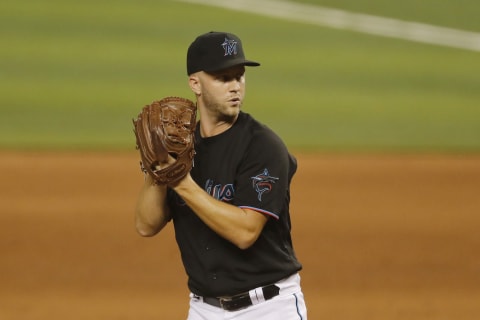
<point x="241" y="300"/>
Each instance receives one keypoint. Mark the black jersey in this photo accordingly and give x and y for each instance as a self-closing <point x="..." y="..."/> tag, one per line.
<point x="247" y="166"/>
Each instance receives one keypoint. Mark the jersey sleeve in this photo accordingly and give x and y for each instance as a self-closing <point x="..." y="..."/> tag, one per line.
<point x="263" y="179"/>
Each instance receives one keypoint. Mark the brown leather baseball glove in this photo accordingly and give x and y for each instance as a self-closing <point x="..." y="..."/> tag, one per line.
<point x="164" y="128"/>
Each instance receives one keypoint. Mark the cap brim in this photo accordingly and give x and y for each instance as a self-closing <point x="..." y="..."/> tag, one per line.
<point x="251" y="63"/>
<point x="233" y="63"/>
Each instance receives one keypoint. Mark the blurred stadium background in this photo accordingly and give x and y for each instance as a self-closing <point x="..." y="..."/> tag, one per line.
<point x="74" y="73"/>
<point x="387" y="129"/>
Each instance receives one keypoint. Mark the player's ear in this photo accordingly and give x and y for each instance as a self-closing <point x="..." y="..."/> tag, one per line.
<point x="194" y="83"/>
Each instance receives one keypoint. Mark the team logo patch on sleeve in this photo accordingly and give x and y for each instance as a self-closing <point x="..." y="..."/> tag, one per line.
<point x="263" y="183"/>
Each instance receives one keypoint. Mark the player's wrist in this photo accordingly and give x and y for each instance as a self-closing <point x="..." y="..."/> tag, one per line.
<point x="150" y="182"/>
<point x="183" y="184"/>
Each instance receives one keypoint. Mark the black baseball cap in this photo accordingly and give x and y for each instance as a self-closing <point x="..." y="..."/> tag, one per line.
<point x="215" y="51"/>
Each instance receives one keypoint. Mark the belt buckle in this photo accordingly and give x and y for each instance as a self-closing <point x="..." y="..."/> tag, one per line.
<point x="224" y="300"/>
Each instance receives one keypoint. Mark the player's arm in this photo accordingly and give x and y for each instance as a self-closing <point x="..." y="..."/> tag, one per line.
<point x="242" y="227"/>
<point x="151" y="212"/>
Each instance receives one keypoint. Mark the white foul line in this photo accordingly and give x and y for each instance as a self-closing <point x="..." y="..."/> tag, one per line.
<point x="340" y="19"/>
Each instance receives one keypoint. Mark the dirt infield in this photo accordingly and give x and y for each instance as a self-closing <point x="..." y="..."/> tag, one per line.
<point x="380" y="237"/>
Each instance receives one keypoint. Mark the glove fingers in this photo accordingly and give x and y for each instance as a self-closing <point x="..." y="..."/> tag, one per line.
<point x="157" y="133"/>
<point x="161" y="153"/>
<point x="166" y="128"/>
<point x="143" y="139"/>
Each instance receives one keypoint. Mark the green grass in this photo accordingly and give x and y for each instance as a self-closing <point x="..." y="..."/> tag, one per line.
<point x="73" y="75"/>
<point x="460" y="14"/>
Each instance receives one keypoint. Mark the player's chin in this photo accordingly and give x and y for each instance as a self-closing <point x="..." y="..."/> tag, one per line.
<point x="234" y="110"/>
<point x="235" y="105"/>
<point x="230" y="113"/>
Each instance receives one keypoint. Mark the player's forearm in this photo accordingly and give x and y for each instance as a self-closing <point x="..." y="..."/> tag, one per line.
<point x="151" y="212"/>
<point x="241" y="227"/>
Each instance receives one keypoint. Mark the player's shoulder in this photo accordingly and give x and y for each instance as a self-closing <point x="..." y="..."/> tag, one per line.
<point x="266" y="144"/>
<point x="254" y="125"/>
<point x="260" y="136"/>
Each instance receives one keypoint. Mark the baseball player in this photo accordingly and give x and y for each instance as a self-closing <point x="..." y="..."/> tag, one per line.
<point x="231" y="211"/>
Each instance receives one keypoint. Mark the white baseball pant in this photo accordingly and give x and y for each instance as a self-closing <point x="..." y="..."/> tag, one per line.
<point x="288" y="305"/>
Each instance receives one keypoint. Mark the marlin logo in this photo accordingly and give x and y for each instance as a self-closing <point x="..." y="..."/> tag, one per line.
<point x="263" y="183"/>
<point x="230" y="47"/>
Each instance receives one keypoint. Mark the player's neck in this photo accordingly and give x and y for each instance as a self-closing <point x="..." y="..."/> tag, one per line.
<point x="212" y="126"/>
<point x="213" y="129"/>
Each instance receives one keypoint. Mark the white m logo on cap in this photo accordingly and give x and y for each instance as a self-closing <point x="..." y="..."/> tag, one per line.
<point x="230" y="47"/>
